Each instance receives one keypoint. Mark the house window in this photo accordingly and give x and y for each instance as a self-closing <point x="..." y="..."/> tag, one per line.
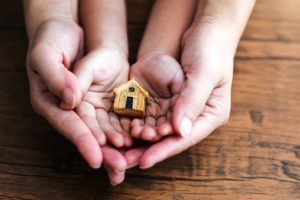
<point x="131" y="89"/>
<point x="129" y="102"/>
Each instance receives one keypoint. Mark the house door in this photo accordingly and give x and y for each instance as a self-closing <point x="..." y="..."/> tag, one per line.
<point x="129" y="102"/>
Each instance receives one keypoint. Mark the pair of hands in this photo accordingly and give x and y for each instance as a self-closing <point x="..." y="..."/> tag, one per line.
<point x="190" y="98"/>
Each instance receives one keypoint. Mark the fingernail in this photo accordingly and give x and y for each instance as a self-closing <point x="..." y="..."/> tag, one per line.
<point x="119" y="172"/>
<point x="95" y="166"/>
<point x="146" y="167"/>
<point x="113" y="184"/>
<point x="185" y="127"/>
<point x="132" y="166"/>
<point x="68" y="95"/>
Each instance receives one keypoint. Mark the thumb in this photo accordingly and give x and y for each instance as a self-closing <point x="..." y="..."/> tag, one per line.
<point x="83" y="70"/>
<point x="190" y="103"/>
<point x="57" y="77"/>
<point x="97" y="66"/>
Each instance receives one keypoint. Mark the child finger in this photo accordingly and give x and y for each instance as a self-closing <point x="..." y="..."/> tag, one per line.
<point x="88" y="115"/>
<point x="113" y="136"/>
<point x="115" y="122"/>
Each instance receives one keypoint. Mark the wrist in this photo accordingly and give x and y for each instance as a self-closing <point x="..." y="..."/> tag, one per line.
<point x="226" y="17"/>
<point x="114" y="52"/>
<point x="152" y="53"/>
<point x="108" y="44"/>
<point x="214" y="35"/>
<point x="39" y="12"/>
<point x="48" y="22"/>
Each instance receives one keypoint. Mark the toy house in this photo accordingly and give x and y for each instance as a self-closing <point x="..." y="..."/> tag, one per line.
<point x="130" y="99"/>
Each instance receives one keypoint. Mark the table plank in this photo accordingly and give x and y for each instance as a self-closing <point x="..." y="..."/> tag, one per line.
<point x="255" y="156"/>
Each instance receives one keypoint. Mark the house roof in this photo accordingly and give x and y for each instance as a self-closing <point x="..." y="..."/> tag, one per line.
<point x="131" y="83"/>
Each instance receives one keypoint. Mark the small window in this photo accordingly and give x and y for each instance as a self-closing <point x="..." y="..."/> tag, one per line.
<point x="131" y="89"/>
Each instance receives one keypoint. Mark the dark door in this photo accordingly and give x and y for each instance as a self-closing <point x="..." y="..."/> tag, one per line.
<point x="129" y="102"/>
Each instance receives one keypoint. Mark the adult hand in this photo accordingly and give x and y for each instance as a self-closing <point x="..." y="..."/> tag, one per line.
<point x="53" y="88"/>
<point x="208" y="49"/>
<point x="204" y="102"/>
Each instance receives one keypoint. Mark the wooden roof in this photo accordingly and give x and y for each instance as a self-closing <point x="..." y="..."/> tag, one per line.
<point x="131" y="83"/>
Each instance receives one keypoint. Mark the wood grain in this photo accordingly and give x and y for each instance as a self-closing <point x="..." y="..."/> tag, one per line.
<point x="255" y="156"/>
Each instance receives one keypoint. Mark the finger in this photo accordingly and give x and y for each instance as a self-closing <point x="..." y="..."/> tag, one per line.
<point x="114" y="177"/>
<point x="136" y="131"/>
<point x="173" y="145"/>
<point x="114" y="159"/>
<point x="164" y="126"/>
<point x="113" y="136"/>
<point x="59" y="80"/>
<point x="137" y="126"/>
<point x="115" y="122"/>
<point x="136" y="122"/>
<point x="70" y="125"/>
<point x="115" y="164"/>
<point x="87" y="113"/>
<point x="132" y="156"/>
<point x="190" y="103"/>
<point x="165" y="129"/>
<point x="125" y="123"/>
<point x="149" y="132"/>
<point x="127" y="139"/>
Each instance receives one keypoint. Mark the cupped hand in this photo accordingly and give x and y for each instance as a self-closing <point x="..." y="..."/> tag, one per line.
<point x="162" y="77"/>
<point x="99" y="72"/>
<point x="54" y="89"/>
<point x="204" y="101"/>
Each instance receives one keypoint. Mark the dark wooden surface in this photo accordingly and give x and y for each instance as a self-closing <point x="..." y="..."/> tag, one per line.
<point x="255" y="156"/>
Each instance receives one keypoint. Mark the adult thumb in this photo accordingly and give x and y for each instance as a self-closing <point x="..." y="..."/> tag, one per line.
<point x="190" y="103"/>
<point x="57" y="77"/>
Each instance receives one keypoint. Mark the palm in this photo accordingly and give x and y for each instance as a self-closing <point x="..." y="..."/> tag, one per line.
<point x="104" y="70"/>
<point x="162" y="77"/>
<point x="208" y="72"/>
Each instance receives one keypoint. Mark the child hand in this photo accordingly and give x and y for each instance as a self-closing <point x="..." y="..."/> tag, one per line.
<point x="163" y="78"/>
<point x="99" y="72"/>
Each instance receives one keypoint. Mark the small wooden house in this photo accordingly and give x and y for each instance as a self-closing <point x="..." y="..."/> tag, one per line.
<point x="130" y="99"/>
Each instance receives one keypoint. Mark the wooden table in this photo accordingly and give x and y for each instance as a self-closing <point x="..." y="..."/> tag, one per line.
<point x="255" y="156"/>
